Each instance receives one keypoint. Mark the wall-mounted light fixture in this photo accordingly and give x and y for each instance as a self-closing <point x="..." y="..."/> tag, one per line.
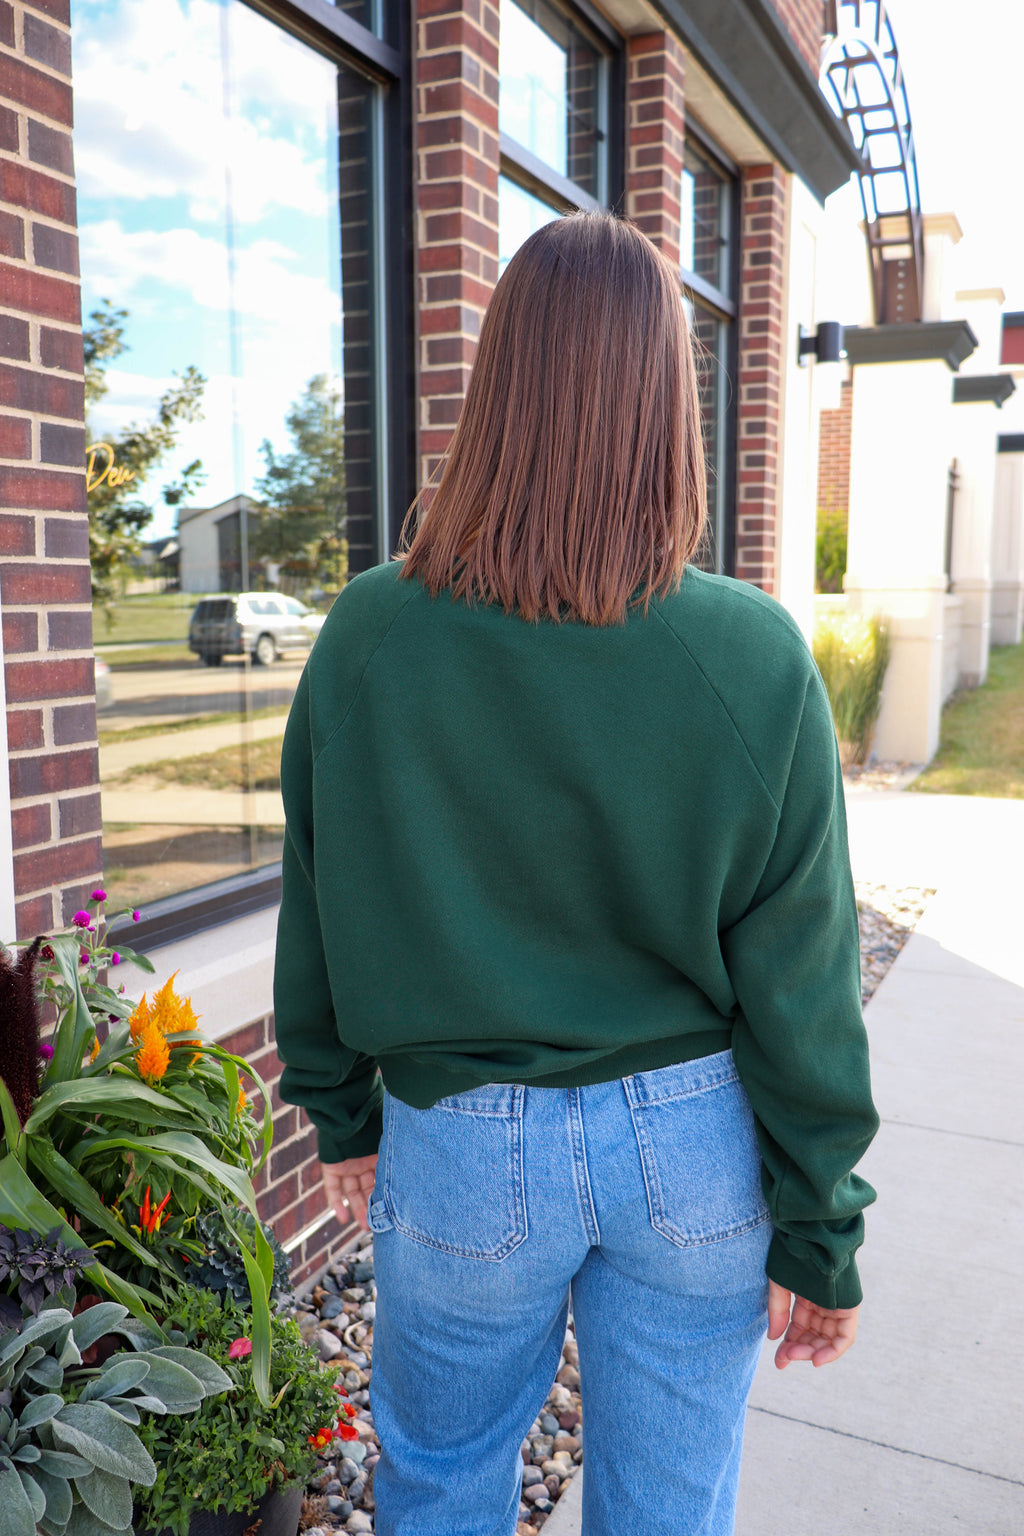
<point x="825" y="344"/>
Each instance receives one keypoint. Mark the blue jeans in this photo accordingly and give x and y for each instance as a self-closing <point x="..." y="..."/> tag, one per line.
<point x="642" y="1195"/>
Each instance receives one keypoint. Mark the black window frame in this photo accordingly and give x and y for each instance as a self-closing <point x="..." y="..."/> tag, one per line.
<point x="533" y="174"/>
<point x="724" y="305"/>
<point x="336" y="36"/>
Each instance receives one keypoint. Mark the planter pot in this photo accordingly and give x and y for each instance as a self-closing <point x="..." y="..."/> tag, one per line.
<point x="277" y="1514"/>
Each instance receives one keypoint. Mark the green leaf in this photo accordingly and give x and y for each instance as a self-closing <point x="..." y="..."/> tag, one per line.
<point x="93" y="1431"/>
<point x="11" y="1123"/>
<point x="260" y="1322"/>
<point x="57" y="1492"/>
<point x="43" y="1329"/>
<point x="40" y="1410"/>
<point x="183" y="1147"/>
<point x="134" y="1297"/>
<point x="46" y="1373"/>
<point x="28" y="1453"/>
<point x="126" y="1409"/>
<point x="81" y="1196"/>
<point x="121" y="1091"/>
<point x="84" y="1523"/>
<point x="92" y="1324"/>
<point x="17" y="1517"/>
<point x="23" y="1206"/>
<point x="36" y="1496"/>
<point x="174" y="1384"/>
<point x="117" y="1376"/>
<point x="70" y="1353"/>
<point x="75" y="1026"/>
<point x="210" y="1375"/>
<point x="63" y="1464"/>
<point x="109" y="1498"/>
<point x="133" y="956"/>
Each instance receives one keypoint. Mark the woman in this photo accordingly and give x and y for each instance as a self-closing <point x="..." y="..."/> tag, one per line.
<point x="566" y="859"/>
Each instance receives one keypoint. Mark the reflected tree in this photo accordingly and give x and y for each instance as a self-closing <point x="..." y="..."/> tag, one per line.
<point x="120" y="463"/>
<point x="301" y="527"/>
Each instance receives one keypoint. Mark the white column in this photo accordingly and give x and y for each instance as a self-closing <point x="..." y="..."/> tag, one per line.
<point x="899" y="472"/>
<point x="971" y="573"/>
<point x="1008" y="550"/>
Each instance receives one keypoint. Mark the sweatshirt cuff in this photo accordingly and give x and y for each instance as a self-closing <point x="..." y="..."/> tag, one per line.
<point x="333" y="1149"/>
<point x="803" y="1279"/>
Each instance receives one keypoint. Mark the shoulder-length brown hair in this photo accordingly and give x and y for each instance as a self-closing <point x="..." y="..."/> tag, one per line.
<point x="574" y="481"/>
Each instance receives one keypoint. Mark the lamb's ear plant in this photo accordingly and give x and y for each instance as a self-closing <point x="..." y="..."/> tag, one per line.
<point x="70" y="1458"/>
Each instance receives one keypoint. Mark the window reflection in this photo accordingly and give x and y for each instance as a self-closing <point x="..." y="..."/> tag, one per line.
<point x="551" y="84"/>
<point x="520" y="215"/>
<point x="710" y="337"/>
<point x="231" y="369"/>
<point x="705" y="233"/>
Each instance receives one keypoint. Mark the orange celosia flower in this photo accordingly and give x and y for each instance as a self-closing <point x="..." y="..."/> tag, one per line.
<point x="153" y="1056"/>
<point x="95" y="1048"/>
<point x="243" y="1100"/>
<point x="169" y="1013"/>
<point x="139" y="1019"/>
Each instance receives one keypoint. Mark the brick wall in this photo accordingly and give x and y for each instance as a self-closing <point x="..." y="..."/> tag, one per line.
<point x="654" y="137"/>
<point x="759" y="445"/>
<point x="834" y="452"/>
<point x="457" y="159"/>
<point x="44" y="544"/>
<point x="290" y="1195"/>
<point x="804" y="20"/>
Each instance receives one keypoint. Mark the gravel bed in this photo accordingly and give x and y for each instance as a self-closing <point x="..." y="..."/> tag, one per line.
<point x="888" y="916"/>
<point x="337" y="1319"/>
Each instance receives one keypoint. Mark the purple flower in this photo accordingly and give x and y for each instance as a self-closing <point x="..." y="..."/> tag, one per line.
<point x="99" y="895"/>
<point x="113" y="1017"/>
<point x="46" y="1050"/>
<point x="83" y="958"/>
<point x="115" y="958"/>
<point x="82" y="920"/>
<point x="135" y="917"/>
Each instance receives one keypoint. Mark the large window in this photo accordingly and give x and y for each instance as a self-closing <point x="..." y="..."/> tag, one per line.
<point x="708" y="256"/>
<point x="232" y="249"/>
<point x="559" y="81"/>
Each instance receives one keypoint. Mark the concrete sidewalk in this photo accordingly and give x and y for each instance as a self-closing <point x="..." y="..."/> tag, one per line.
<point x="920" y="1429"/>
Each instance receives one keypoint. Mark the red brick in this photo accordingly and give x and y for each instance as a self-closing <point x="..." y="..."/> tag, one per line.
<point x="48" y="146"/>
<point x="61" y="349"/>
<point x="283" y="1192"/>
<point x="17" y="537"/>
<point x="60" y="10"/>
<point x="34" y="916"/>
<point x="21" y="633"/>
<point x="15" y="441"/>
<point x="40" y="92"/>
<point x="24" y="729"/>
<point x="26" y="187"/>
<point x="54" y="866"/>
<point x="69" y="631"/>
<point x="67" y="538"/>
<point x="42" y="488"/>
<point x="7" y="23"/>
<point x="56" y="249"/>
<point x="30" y="826"/>
<point x="73" y="723"/>
<point x="9" y="138"/>
<point x="47" y="45"/>
<point x="12" y="236"/>
<point x="36" y="293"/>
<point x="79" y="814"/>
<point x="247" y="1040"/>
<point x="26" y="390"/>
<point x="53" y="772"/>
<point x="14" y="337"/>
<point x="293" y="1154"/>
<point x="28" y="681"/>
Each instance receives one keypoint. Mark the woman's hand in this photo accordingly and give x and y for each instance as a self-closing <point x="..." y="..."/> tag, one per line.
<point x="817" y="1334"/>
<point x="348" y="1187"/>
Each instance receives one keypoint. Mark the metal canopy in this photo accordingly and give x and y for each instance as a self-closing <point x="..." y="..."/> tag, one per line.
<point x="862" y="79"/>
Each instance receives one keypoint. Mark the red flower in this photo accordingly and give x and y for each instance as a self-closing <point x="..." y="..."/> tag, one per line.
<point x="239" y="1348"/>
<point x="347" y="1432"/>
<point x="349" y="1408"/>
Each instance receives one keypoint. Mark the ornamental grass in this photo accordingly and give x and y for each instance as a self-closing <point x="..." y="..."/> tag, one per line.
<point x="852" y="654"/>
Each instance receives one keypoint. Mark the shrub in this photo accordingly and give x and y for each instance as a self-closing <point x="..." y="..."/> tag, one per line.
<point x="852" y="655"/>
<point x="830" y="550"/>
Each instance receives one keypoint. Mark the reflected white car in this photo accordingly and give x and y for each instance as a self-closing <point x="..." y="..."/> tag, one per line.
<point x="104" y="685"/>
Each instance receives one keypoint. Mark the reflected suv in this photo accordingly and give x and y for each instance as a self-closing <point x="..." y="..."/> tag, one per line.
<point x="256" y="624"/>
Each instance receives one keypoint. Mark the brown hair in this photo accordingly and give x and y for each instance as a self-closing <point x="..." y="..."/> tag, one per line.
<point x="574" y="481"/>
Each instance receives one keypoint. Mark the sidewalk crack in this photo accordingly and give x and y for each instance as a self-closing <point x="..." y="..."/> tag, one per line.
<point x="884" y="1445"/>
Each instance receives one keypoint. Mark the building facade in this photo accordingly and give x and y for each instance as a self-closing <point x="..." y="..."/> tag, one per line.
<point x="245" y="250"/>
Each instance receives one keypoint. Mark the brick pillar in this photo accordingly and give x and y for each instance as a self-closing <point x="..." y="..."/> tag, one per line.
<point x="834" y="451"/>
<point x="457" y="161"/>
<point x="654" y="117"/>
<point x="803" y="20"/>
<point x="759" y="445"/>
<point x="44" y="535"/>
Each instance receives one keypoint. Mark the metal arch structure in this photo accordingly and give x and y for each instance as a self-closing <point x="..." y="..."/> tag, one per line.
<point x="862" y="79"/>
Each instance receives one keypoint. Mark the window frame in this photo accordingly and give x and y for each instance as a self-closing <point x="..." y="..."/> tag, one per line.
<point x="533" y="174"/>
<point x="337" y="37"/>
<point x="723" y="305"/>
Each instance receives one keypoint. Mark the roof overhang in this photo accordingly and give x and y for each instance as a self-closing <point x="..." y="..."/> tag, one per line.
<point x="1011" y="442"/>
<point x="944" y="341"/>
<point x="748" y="52"/>
<point x="983" y="389"/>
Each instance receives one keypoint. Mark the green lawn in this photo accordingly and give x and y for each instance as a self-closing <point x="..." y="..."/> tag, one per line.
<point x="982" y="735"/>
<point x="153" y="616"/>
<point x="257" y="766"/>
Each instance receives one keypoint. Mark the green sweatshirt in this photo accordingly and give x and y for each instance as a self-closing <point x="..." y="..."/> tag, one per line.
<point x="557" y="854"/>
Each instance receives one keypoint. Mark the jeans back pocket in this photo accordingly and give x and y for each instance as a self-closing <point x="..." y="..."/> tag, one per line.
<point x="453" y="1173"/>
<point x="698" y="1149"/>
